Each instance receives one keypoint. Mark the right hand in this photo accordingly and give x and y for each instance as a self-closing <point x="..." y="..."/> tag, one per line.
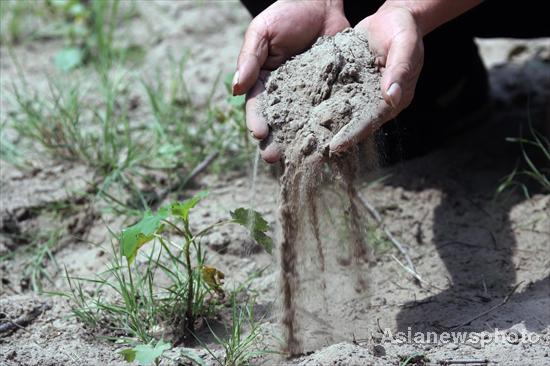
<point x="281" y="31"/>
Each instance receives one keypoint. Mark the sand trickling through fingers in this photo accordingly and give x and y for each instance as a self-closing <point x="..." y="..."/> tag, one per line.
<point x="307" y="100"/>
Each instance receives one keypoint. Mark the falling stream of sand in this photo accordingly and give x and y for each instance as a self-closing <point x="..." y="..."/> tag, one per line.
<point x="322" y="247"/>
<point x="252" y="202"/>
<point x="254" y="178"/>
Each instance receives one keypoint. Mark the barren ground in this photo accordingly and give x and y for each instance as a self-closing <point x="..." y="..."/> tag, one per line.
<point x="471" y="248"/>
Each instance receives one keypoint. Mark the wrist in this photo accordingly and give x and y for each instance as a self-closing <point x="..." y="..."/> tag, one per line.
<point x="332" y="6"/>
<point x="339" y="4"/>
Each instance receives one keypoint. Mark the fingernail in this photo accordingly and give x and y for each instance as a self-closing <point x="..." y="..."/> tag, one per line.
<point x="394" y="92"/>
<point x="235" y="81"/>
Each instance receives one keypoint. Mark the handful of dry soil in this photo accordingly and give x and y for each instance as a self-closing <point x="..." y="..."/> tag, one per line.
<point x="312" y="96"/>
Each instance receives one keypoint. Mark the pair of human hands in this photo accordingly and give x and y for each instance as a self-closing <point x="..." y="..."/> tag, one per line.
<point x="287" y="28"/>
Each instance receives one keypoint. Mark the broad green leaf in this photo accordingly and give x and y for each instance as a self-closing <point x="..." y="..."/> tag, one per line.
<point x="139" y="234"/>
<point x="145" y="354"/>
<point x="256" y="225"/>
<point x="181" y="209"/>
<point x="68" y="58"/>
<point x="264" y="240"/>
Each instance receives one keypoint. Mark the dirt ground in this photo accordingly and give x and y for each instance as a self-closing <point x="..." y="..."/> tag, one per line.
<point x="484" y="259"/>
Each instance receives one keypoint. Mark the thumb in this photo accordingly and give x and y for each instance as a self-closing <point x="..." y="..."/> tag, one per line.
<point x="361" y="126"/>
<point x="252" y="56"/>
<point x="403" y="64"/>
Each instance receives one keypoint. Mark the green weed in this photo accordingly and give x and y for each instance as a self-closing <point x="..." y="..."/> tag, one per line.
<point x="9" y="151"/>
<point x="68" y="128"/>
<point x="190" y="132"/>
<point x="35" y="270"/>
<point x="90" y="33"/>
<point x="171" y="285"/>
<point x="244" y="336"/>
<point x="21" y="20"/>
<point x="65" y="126"/>
<point x="534" y="145"/>
<point x="146" y="354"/>
<point x="38" y="255"/>
<point x="176" y="140"/>
<point x="87" y="27"/>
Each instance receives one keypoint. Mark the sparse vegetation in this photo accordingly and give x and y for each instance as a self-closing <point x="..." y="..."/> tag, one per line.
<point x="169" y="290"/>
<point x="36" y="269"/>
<point x="68" y="126"/>
<point x="39" y="258"/>
<point x="90" y="122"/>
<point x="244" y="336"/>
<point x="86" y="27"/>
<point x="114" y="113"/>
<point x="534" y="162"/>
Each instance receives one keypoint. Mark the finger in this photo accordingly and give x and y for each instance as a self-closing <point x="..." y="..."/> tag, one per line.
<point x="269" y="150"/>
<point x="360" y="127"/>
<point x="375" y="46"/>
<point x="403" y="65"/>
<point x="254" y="52"/>
<point x="254" y="120"/>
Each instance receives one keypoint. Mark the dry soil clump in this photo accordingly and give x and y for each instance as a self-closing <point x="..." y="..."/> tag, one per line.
<point x="312" y="96"/>
<point x="306" y="102"/>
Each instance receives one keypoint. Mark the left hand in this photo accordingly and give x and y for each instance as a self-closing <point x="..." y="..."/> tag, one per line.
<point x="396" y="40"/>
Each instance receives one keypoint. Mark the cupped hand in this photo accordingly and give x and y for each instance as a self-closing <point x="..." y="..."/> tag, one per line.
<point x="281" y="31"/>
<point x="396" y="40"/>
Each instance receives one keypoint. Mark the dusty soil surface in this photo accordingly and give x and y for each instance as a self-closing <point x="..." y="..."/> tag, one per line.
<point x="483" y="259"/>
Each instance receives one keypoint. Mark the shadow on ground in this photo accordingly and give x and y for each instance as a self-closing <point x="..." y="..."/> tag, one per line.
<point x="473" y="233"/>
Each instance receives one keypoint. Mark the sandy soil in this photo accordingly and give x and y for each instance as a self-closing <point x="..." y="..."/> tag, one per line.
<point x="484" y="260"/>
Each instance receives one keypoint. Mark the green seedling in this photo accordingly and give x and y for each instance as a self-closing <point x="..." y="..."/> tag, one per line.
<point x="242" y="343"/>
<point x="36" y="269"/>
<point x="146" y="354"/>
<point x="153" y="224"/>
<point x="191" y="289"/>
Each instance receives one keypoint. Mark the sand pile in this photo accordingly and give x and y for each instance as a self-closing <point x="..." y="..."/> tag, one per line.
<point x="306" y="102"/>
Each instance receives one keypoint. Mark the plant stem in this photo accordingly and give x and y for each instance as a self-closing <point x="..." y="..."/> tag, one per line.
<point x="190" y="321"/>
<point x="180" y="231"/>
